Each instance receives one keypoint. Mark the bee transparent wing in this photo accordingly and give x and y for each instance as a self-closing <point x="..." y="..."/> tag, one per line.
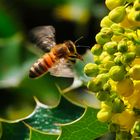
<point x="43" y="37"/>
<point x="63" y="68"/>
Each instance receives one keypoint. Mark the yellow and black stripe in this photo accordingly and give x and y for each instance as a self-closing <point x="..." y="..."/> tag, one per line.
<point x="42" y="65"/>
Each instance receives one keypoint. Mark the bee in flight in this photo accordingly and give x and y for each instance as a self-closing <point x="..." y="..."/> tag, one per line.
<point x="57" y="58"/>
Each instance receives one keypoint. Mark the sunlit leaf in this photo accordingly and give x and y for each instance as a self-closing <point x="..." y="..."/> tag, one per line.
<point x="82" y="97"/>
<point x="85" y="128"/>
<point x="49" y="119"/>
<point x="36" y="135"/>
<point x="14" y="131"/>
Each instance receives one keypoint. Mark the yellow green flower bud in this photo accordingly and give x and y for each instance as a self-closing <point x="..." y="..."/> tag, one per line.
<point x="94" y="85"/>
<point x="117" y="73"/>
<point x="97" y="83"/>
<point x="107" y="87"/>
<point x="102" y="38"/>
<point x="118" y="14"/>
<point x="117" y="29"/>
<point x="109" y="64"/>
<point x="110" y="47"/>
<point x="122" y="46"/>
<point x="96" y="59"/>
<point x="91" y="69"/>
<point x="104" y="115"/>
<point x="117" y="38"/>
<point x="103" y="78"/>
<point x="117" y="105"/>
<point x="117" y="60"/>
<point x="106" y="22"/>
<point x="135" y="72"/>
<point x="111" y="4"/>
<point x="107" y="30"/>
<point x="128" y="57"/>
<point x="102" y="95"/>
<point x="96" y="49"/>
<point x="125" y="87"/>
<point x="103" y="70"/>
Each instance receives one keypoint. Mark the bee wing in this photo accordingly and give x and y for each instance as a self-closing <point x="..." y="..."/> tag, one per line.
<point x="63" y="68"/>
<point x="43" y="37"/>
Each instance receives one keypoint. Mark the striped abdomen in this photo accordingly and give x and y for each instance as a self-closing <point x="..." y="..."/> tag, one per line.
<point x="42" y="65"/>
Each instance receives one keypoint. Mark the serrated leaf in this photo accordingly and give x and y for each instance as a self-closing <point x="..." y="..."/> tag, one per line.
<point x="85" y="128"/>
<point x="36" y="135"/>
<point x="49" y="119"/>
<point x="82" y="97"/>
<point x="14" y="131"/>
<point x="46" y="90"/>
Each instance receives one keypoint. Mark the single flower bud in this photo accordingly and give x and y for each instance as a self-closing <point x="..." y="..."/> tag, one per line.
<point x="118" y="14"/>
<point x="91" y="69"/>
<point x="117" y="73"/>
<point x="110" y="47"/>
<point x="111" y="4"/>
<point x="96" y="49"/>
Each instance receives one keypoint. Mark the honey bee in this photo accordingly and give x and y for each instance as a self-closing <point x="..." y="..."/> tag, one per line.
<point x="57" y="58"/>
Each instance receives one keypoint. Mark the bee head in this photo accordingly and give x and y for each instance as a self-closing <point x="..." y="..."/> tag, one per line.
<point x="72" y="50"/>
<point x="71" y="47"/>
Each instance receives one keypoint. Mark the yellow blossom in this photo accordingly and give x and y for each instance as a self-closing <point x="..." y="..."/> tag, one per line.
<point x="126" y="119"/>
<point x="125" y="87"/>
<point x="134" y="99"/>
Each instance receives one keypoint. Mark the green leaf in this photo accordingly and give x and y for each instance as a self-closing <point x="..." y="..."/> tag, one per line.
<point x="85" y="128"/>
<point x="36" y="135"/>
<point x="46" y="90"/>
<point x="49" y="119"/>
<point x="14" y="105"/>
<point x="82" y="97"/>
<point x="13" y="69"/>
<point x="14" y="131"/>
<point x="8" y="24"/>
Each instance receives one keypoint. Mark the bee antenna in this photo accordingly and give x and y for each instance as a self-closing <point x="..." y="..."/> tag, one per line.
<point x="78" y="39"/>
<point x="81" y="46"/>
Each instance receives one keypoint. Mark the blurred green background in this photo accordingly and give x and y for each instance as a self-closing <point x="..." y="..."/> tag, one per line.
<point x="71" y="19"/>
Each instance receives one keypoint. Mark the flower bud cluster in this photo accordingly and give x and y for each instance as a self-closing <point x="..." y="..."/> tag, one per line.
<point x="116" y="71"/>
